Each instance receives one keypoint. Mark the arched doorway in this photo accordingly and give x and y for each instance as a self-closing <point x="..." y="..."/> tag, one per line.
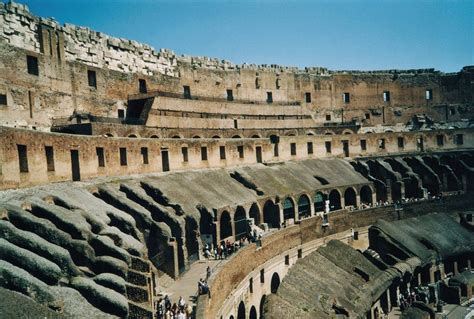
<point x="304" y="207"/>
<point x="275" y="283"/>
<point x="319" y="202"/>
<point x="350" y="197"/>
<point x="366" y="195"/>
<point x="288" y="209"/>
<point x="254" y="213"/>
<point x="240" y="223"/>
<point x="334" y="200"/>
<point x="241" y="311"/>
<point x="225" y="225"/>
<point x="262" y="303"/>
<point x="253" y="313"/>
<point x="271" y="214"/>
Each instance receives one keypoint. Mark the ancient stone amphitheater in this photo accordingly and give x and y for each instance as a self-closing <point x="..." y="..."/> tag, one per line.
<point x="120" y="163"/>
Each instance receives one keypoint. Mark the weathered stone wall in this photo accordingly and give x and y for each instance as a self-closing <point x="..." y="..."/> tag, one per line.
<point x="63" y="144"/>
<point x="66" y="53"/>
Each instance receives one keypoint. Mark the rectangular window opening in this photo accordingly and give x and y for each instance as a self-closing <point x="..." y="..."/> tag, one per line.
<point x="440" y="140"/>
<point x="203" y="153"/>
<point x="222" y="152"/>
<point x="142" y="86"/>
<point x="184" y="151"/>
<point x="240" y="149"/>
<point x="401" y="142"/>
<point x="144" y="152"/>
<point x="293" y="149"/>
<point x="32" y="65"/>
<point x="230" y="95"/>
<point x="328" y="146"/>
<point x="262" y="276"/>
<point x="251" y="285"/>
<point x="459" y="139"/>
<point x="3" y="99"/>
<point x="346" y="97"/>
<point x="287" y="260"/>
<point x="123" y="156"/>
<point x="429" y="94"/>
<point x="236" y="125"/>
<point x="363" y="145"/>
<point x="310" y="147"/>
<point x="100" y="156"/>
<point x="92" y="79"/>
<point x="49" y="158"/>
<point x="328" y="117"/>
<point x="382" y="143"/>
<point x="269" y="97"/>
<point x="121" y="114"/>
<point x="386" y="96"/>
<point x="307" y="96"/>
<point x="23" y="158"/>
<point x="300" y="253"/>
<point x="187" y="92"/>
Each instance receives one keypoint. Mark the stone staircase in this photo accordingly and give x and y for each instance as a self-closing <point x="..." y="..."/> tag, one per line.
<point x="140" y="300"/>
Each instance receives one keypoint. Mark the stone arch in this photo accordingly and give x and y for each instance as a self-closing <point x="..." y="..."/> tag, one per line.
<point x="291" y="133"/>
<point x="334" y="200"/>
<point x="275" y="283"/>
<point x="225" y="226"/>
<point x="154" y="136"/>
<point x="254" y="213"/>
<point x="319" y="201"/>
<point x="350" y="197"/>
<point x="304" y="206"/>
<point x="109" y="135"/>
<point x="366" y="195"/>
<point x="253" y="313"/>
<point x="196" y="136"/>
<point x="262" y="303"/>
<point x="231" y="317"/>
<point x="347" y="132"/>
<point x="206" y="224"/>
<point x="240" y="223"/>
<point x="271" y="214"/>
<point x="132" y="136"/>
<point x="328" y="132"/>
<point x="310" y="133"/>
<point x="216" y="137"/>
<point x="256" y="136"/>
<point x="241" y="311"/>
<point x="288" y="208"/>
<point x="236" y="136"/>
<point x="176" y="136"/>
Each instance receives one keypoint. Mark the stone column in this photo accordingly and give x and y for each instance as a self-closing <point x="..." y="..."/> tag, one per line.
<point x="455" y="268"/>
<point x="388" y="183"/>
<point x="280" y="211"/>
<point x="357" y="200"/>
<point x="389" y="302"/>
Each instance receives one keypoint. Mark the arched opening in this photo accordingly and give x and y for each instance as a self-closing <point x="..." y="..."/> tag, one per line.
<point x="366" y="195"/>
<point x="216" y="136"/>
<point x="256" y="136"/>
<point x="176" y="136"/>
<point x="260" y="308"/>
<point x="192" y="241"/>
<point x="275" y="283"/>
<point x="255" y="214"/>
<point x="304" y="207"/>
<point x="154" y="136"/>
<point x="196" y="136"/>
<point x="334" y="200"/>
<point x="350" y="197"/>
<point x="288" y="209"/>
<point x="319" y="202"/>
<point x="241" y="311"/>
<point x="132" y="136"/>
<point x="271" y="214"/>
<point x="206" y="226"/>
<point x="225" y="225"/>
<point x="236" y="136"/>
<point x="107" y="135"/>
<point x="253" y="313"/>
<point x="231" y="317"/>
<point x="240" y="223"/>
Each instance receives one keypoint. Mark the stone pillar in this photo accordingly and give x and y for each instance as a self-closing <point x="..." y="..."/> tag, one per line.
<point x="398" y="296"/>
<point x="432" y="271"/>
<point x="374" y="197"/>
<point x="402" y="190"/>
<point x="295" y="212"/>
<point x="419" y="279"/>
<point x="280" y="211"/>
<point x="389" y="302"/>
<point x="455" y="268"/>
<point x="217" y="232"/>
<point x="464" y="182"/>
<point x="358" y="200"/>
<point x="388" y="183"/>
<point x="445" y="182"/>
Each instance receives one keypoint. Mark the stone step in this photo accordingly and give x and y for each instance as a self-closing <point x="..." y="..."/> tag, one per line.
<point x="164" y="280"/>
<point x="137" y="278"/>
<point x="139" y="311"/>
<point x="140" y="264"/>
<point x="137" y="293"/>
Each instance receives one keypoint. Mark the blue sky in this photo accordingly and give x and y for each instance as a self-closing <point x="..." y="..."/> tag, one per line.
<point x="364" y="35"/>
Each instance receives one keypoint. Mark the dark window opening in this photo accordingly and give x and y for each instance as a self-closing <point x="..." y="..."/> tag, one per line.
<point x="203" y="153"/>
<point x="142" y="86"/>
<point x="165" y="161"/>
<point x="121" y="114"/>
<point x="123" y="156"/>
<point x="401" y="142"/>
<point x="276" y="152"/>
<point x="187" y="92"/>
<point x="440" y="140"/>
<point x="363" y="145"/>
<point x="287" y="260"/>
<point x="184" y="151"/>
<point x="429" y="94"/>
<point x="459" y="139"/>
<point x="262" y="276"/>
<point x="230" y="95"/>
<point x="100" y="156"/>
<point x="307" y="96"/>
<point x="49" y="158"/>
<point x="236" y="124"/>
<point x="144" y="152"/>
<point x="345" y="148"/>
<point x="328" y="147"/>
<point x="23" y="158"/>
<point x="269" y="97"/>
<point x="293" y="148"/>
<point x="310" y="147"/>
<point x="386" y="96"/>
<point x="92" y="79"/>
<point x="240" y="149"/>
<point x="452" y="111"/>
<point x="258" y="151"/>
<point x="382" y="143"/>
<point x="300" y="253"/>
<point x="346" y="97"/>
<point x="328" y="117"/>
<point x="251" y="285"/>
<point x="222" y="152"/>
<point x="3" y="99"/>
<point x="32" y="65"/>
<point x="367" y="116"/>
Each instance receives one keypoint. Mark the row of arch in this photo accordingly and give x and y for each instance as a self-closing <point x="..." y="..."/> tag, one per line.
<point x="275" y="211"/>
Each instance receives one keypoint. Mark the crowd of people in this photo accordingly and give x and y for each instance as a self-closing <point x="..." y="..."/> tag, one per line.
<point x="166" y="310"/>
<point x="224" y="249"/>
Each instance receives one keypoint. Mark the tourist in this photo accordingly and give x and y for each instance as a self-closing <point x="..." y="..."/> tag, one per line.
<point x="208" y="272"/>
<point x="181" y="303"/>
<point x="181" y="314"/>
